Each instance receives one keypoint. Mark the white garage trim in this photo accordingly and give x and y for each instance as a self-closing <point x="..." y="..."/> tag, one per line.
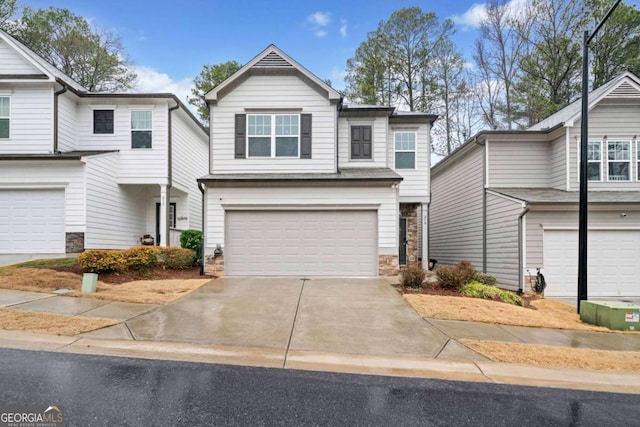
<point x="305" y="207"/>
<point x="613" y="261"/>
<point x="32" y="221"/>
<point x="301" y="243"/>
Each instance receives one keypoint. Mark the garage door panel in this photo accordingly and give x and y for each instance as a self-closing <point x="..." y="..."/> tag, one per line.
<point x="294" y="243"/>
<point x="613" y="262"/>
<point x="32" y="221"/>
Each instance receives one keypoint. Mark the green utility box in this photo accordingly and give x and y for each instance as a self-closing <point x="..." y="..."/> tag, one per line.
<point x="621" y="316"/>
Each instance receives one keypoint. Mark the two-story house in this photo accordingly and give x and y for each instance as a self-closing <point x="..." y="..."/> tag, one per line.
<point x="302" y="185"/>
<point x="82" y="170"/>
<point x="508" y="200"/>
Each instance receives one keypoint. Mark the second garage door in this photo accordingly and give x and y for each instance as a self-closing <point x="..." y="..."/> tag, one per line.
<point x="613" y="265"/>
<point x="301" y="243"/>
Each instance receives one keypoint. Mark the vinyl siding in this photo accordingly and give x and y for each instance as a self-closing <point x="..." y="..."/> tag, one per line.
<point x="67" y="140"/>
<point x="415" y="183"/>
<point x="616" y="122"/>
<point x="31" y="119"/>
<point x="306" y="197"/>
<point x="149" y="165"/>
<point x="66" y="174"/>
<point x="190" y="157"/>
<point x="519" y="164"/>
<point x="273" y="92"/>
<point x="536" y="220"/>
<point x="558" y="162"/>
<point x="379" y="142"/>
<point x="14" y="63"/>
<point x="116" y="214"/>
<point x="455" y="214"/>
<point x="502" y="240"/>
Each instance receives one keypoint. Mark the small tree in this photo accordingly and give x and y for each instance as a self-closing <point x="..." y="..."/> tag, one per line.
<point x="210" y="77"/>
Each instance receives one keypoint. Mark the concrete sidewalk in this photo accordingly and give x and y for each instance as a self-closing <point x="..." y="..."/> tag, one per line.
<point x="351" y="326"/>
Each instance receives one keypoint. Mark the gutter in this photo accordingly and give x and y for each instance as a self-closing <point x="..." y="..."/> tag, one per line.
<point x="55" y="117"/>
<point x="525" y="210"/>
<point x="202" y="189"/>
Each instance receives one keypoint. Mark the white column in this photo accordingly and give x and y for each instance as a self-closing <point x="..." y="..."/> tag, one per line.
<point x="425" y="236"/>
<point x="164" y="215"/>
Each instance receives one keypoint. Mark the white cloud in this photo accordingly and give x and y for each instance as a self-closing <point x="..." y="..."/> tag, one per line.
<point x="318" y="22"/>
<point x="151" y="80"/>
<point x="343" y="28"/>
<point x="478" y="12"/>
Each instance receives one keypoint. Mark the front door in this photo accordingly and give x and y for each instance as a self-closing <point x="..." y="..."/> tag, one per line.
<point x="402" y="250"/>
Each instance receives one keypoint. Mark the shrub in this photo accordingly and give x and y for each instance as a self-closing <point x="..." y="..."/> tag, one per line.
<point x="450" y="277"/>
<point x="177" y="258"/>
<point x="466" y="269"/>
<point x="487" y="279"/>
<point x="412" y="276"/>
<point x="101" y="261"/>
<point x="141" y="258"/>
<point x="476" y="289"/>
<point x="192" y="239"/>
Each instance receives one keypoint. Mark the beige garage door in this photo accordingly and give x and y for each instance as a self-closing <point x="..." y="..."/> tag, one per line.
<point x="301" y="243"/>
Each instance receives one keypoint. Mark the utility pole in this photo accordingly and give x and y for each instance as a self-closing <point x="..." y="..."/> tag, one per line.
<point x="583" y="222"/>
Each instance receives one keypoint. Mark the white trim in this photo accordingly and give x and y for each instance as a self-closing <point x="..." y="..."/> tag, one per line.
<point x="504" y="196"/>
<point x="33" y="185"/>
<point x="299" y="207"/>
<point x="637" y="159"/>
<point x="273" y="135"/>
<point x="595" y="227"/>
<point x="568" y="157"/>
<point x="395" y="150"/>
<point x="131" y="129"/>
<point x="102" y="107"/>
<point x="628" y="141"/>
<point x="486" y="164"/>
<point x="28" y="58"/>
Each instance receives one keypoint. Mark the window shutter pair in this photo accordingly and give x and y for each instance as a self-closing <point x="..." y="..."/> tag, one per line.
<point x="361" y="142"/>
<point x="241" y="136"/>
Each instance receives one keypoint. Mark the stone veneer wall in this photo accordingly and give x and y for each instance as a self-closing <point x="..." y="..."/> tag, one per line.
<point x="214" y="265"/>
<point x="388" y="265"/>
<point x="74" y="243"/>
<point x="410" y="212"/>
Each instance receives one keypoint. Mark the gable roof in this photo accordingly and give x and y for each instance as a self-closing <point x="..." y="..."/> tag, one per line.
<point x="271" y="59"/>
<point x="625" y="85"/>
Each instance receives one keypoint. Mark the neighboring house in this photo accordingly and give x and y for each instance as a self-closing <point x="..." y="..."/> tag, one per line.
<point x="508" y="200"/>
<point x="302" y="185"/>
<point x="81" y="170"/>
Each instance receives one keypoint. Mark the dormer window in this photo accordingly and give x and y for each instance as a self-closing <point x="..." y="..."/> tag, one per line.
<point x="273" y="135"/>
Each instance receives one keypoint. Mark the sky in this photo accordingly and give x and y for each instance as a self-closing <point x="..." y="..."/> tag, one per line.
<point x="170" y="41"/>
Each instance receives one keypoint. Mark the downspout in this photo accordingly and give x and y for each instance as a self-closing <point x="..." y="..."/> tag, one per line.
<point x="525" y="210"/>
<point x="170" y="145"/>
<point x="484" y="204"/>
<point x="338" y="107"/>
<point x="202" y="188"/>
<point x="55" y="117"/>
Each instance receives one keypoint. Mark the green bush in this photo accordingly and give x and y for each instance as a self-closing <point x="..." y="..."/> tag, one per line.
<point x="177" y="258"/>
<point x="141" y="258"/>
<point x="475" y="289"/>
<point x="101" y="261"/>
<point x="412" y="276"/>
<point x="192" y="239"/>
<point x="487" y="279"/>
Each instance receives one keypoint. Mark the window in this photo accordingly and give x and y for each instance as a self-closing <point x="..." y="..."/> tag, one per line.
<point x="361" y="143"/>
<point x="405" y="147"/>
<point x="619" y="160"/>
<point x="172" y="215"/>
<point x="273" y="135"/>
<point x="102" y="121"/>
<point x="5" y="113"/>
<point x="594" y="161"/>
<point x="141" y="129"/>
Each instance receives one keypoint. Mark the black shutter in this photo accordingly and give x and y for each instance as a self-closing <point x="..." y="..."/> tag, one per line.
<point x="240" y="136"/>
<point x="360" y="142"/>
<point x="305" y="136"/>
<point x="366" y="142"/>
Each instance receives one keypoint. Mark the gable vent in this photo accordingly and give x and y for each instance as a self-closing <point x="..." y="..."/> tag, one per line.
<point x="272" y="60"/>
<point x="625" y="90"/>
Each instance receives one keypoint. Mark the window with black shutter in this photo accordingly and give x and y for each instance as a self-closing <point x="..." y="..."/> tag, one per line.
<point x="361" y="142"/>
<point x="102" y="121"/>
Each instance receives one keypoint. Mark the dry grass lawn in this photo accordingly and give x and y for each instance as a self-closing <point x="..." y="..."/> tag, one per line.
<point x="546" y="355"/>
<point x="548" y="313"/>
<point x="144" y="291"/>
<point x="48" y="323"/>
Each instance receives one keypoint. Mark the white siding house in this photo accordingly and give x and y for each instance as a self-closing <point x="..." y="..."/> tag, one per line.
<point x="80" y="170"/>
<point x="517" y="209"/>
<point x="302" y="185"/>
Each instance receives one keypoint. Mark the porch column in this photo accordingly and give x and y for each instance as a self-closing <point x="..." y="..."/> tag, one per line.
<point x="164" y="215"/>
<point x="425" y="235"/>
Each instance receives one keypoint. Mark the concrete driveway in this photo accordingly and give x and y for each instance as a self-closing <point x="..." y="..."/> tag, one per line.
<point x="353" y="316"/>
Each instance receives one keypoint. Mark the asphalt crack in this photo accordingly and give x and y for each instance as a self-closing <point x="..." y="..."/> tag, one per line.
<point x="293" y="327"/>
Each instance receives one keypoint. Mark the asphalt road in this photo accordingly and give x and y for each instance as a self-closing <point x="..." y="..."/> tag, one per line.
<point x="110" y="391"/>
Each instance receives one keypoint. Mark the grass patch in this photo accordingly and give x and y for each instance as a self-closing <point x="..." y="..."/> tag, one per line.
<point x="48" y="323"/>
<point x="475" y="289"/>
<point x="565" y="357"/>
<point x="144" y="291"/>
<point x="40" y="263"/>
<point x="547" y="314"/>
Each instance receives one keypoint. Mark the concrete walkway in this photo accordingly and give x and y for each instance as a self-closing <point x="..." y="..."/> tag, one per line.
<point x="342" y="325"/>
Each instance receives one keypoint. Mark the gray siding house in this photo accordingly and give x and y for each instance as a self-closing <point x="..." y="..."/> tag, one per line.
<point x="508" y="200"/>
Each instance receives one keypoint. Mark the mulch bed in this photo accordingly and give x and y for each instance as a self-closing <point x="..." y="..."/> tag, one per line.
<point x="157" y="273"/>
